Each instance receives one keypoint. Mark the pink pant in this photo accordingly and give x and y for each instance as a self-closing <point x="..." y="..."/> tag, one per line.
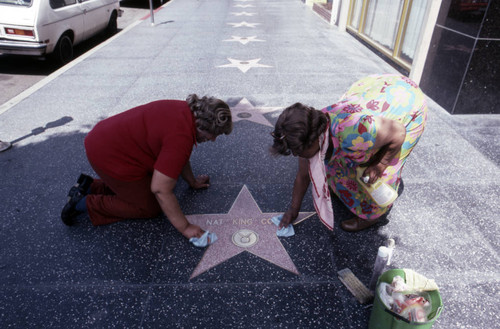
<point x="111" y="200"/>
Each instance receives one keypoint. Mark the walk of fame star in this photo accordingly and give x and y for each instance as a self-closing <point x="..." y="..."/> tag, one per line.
<point x="243" y="65"/>
<point x="243" y="228"/>
<point x="244" y="40"/>
<point x="245" y="110"/>
<point x="243" y="13"/>
<point x="245" y="24"/>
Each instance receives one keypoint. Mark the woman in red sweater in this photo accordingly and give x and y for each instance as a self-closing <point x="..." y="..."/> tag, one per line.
<point x="139" y="155"/>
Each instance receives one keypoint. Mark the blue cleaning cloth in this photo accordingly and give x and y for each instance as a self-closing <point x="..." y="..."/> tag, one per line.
<point x="284" y="231"/>
<point x="203" y="241"/>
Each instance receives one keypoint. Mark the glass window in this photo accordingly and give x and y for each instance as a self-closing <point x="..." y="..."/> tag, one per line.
<point x="382" y="21"/>
<point x="54" y="4"/>
<point x="356" y="13"/>
<point x="414" y="27"/>
<point x="25" y="3"/>
<point x="391" y="26"/>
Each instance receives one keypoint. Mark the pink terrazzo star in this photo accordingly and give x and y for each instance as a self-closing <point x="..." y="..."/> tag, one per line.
<point x="243" y="228"/>
<point x="245" y="110"/>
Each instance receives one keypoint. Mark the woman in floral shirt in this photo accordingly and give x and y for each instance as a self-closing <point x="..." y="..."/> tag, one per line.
<point x="375" y="125"/>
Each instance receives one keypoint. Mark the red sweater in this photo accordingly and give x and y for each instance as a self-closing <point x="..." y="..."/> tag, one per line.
<point x="130" y="145"/>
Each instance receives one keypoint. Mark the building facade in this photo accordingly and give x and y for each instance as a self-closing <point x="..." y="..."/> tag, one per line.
<point x="450" y="47"/>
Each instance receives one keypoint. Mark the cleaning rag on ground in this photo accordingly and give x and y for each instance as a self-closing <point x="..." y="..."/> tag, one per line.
<point x="284" y="231"/>
<point x="206" y="239"/>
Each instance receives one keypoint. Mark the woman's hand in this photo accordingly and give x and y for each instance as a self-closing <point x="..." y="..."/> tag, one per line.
<point x="288" y="217"/>
<point x="374" y="172"/>
<point x="192" y="231"/>
<point x="300" y="186"/>
<point x="202" y="181"/>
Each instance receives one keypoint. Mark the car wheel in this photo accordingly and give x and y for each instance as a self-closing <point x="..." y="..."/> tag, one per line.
<point x="112" y="24"/>
<point x="63" y="53"/>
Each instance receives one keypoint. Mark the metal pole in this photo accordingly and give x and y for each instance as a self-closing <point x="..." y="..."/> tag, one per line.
<point x="151" y="12"/>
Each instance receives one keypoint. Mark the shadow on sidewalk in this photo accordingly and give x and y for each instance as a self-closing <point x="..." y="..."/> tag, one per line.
<point x="130" y="259"/>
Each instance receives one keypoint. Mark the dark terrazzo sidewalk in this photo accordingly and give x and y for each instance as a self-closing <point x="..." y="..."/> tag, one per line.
<point x="137" y="273"/>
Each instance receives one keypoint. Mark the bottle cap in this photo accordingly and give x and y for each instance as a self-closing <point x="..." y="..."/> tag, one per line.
<point x="383" y="252"/>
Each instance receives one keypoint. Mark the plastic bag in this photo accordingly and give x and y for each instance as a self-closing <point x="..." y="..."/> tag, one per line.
<point x="414" y="306"/>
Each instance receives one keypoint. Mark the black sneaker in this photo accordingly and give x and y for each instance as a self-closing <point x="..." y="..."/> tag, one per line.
<point x="69" y="212"/>
<point x="84" y="182"/>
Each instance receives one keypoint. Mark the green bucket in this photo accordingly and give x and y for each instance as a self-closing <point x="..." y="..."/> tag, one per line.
<point x="383" y="318"/>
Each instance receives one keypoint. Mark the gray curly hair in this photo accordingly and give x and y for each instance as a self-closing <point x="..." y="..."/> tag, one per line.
<point x="211" y="114"/>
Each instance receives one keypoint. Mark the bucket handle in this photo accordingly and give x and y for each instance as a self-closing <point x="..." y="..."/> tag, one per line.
<point x="438" y="311"/>
<point x="399" y="317"/>
<point x="440" y="308"/>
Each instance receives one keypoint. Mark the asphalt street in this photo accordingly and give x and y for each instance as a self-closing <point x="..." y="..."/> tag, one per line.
<point x="19" y="73"/>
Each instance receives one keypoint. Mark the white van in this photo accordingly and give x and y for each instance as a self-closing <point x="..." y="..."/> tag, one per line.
<point x="43" y="27"/>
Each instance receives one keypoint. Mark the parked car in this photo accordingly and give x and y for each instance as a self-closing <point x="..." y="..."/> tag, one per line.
<point x="53" y="27"/>
<point x="468" y="5"/>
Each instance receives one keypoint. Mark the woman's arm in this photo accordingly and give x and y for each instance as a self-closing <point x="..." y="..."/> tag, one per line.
<point x="162" y="187"/>
<point x="300" y="185"/>
<point x="202" y="181"/>
<point x="389" y="140"/>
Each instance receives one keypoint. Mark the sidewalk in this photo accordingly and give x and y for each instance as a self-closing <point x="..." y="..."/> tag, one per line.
<point x="144" y="274"/>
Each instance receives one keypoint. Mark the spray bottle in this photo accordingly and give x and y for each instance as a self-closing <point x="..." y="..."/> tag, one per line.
<point x="382" y="193"/>
<point x="379" y="266"/>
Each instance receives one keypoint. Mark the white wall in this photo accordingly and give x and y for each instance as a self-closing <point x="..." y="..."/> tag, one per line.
<point x="425" y="40"/>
